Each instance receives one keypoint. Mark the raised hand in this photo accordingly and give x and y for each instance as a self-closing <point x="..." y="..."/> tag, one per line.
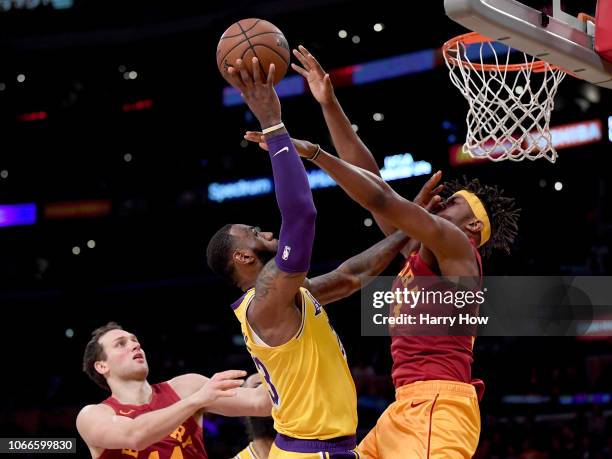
<point x="318" y="81"/>
<point x="220" y="385"/>
<point x="260" y="96"/>
<point x="428" y="197"/>
<point x="304" y="148"/>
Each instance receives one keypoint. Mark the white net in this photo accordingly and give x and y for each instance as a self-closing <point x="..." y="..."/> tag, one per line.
<point x="509" y="103"/>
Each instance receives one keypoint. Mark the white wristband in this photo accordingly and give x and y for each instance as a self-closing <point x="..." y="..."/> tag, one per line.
<point x="273" y="128"/>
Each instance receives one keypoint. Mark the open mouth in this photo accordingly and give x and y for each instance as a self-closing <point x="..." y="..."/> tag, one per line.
<point x="138" y="356"/>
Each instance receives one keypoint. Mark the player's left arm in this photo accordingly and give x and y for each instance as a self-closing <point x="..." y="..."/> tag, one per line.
<point x="246" y="402"/>
<point x="358" y="271"/>
<point x="446" y="240"/>
<point x="272" y="313"/>
<point x="428" y="197"/>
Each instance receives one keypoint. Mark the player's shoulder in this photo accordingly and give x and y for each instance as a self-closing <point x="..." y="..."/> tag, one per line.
<point x="96" y="408"/>
<point x="306" y="284"/>
<point x="93" y="412"/>
<point x="248" y="295"/>
<point x="187" y="384"/>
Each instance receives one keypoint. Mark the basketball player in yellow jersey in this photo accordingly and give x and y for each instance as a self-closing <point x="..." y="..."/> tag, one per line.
<point x="436" y="412"/>
<point x="287" y="332"/>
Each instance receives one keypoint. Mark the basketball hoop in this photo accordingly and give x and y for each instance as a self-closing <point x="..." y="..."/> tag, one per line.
<point x="509" y="103"/>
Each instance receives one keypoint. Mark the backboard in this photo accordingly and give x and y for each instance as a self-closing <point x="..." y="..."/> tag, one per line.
<point x="550" y="34"/>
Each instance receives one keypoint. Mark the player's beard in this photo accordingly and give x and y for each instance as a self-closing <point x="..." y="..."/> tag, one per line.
<point x="265" y="255"/>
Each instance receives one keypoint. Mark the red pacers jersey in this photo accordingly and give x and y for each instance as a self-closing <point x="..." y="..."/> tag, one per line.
<point x="426" y="358"/>
<point x="186" y="442"/>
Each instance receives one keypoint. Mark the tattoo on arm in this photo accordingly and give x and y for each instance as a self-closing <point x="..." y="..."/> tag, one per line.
<point x="272" y="313"/>
<point x="266" y="281"/>
<point x="326" y="282"/>
<point x="357" y="271"/>
<point x="359" y="264"/>
<point x="375" y="259"/>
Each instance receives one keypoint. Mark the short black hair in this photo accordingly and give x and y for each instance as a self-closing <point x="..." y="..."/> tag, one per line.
<point x="219" y="253"/>
<point x="95" y="352"/>
<point x="502" y="211"/>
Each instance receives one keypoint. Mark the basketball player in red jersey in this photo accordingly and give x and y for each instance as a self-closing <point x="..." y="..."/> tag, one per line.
<point x="158" y="421"/>
<point x="436" y="412"/>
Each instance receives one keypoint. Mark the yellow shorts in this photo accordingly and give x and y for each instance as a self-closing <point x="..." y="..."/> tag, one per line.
<point x="428" y="420"/>
<point x="292" y="448"/>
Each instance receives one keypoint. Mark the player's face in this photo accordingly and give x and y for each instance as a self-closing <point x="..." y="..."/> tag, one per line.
<point x="456" y="210"/>
<point x="252" y="237"/>
<point x="124" y="356"/>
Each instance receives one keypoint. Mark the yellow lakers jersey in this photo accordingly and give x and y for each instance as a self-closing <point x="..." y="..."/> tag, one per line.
<point x="247" y="453"/>
<point x="308" y="377"/>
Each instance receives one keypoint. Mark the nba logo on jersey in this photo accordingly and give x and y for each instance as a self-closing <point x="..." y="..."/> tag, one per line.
<point x="286" y="252"/>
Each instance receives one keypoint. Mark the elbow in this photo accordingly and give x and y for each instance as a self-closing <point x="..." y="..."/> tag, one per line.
<point x="355" y="284"/>
<point x="350" y="280"/>
<point x="302" y="211"/>
<point x="307" y="209"/>
<point x="310" y="215"/>
<point x="304" y="215"/>
<point x="140" y="445"/>
<point x="135" y="440"/>
<point x="378" y="200"/>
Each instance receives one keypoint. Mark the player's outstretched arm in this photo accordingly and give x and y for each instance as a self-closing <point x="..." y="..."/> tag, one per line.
<point x="248" y="401"/>
<point x="272" y="312"/>
<point x="428" y="197"/>
<point x="348" y="144"/>
<point x="356" y="272"/>
<point x="100" y="427"/>
<point x="450" y="245"/>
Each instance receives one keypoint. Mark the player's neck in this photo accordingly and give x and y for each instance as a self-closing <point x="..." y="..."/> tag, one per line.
<point x="247" y="276"/>
<point x="132" y="392"/>
<point x="262" y="446"/>
<point x="246" y="283"/>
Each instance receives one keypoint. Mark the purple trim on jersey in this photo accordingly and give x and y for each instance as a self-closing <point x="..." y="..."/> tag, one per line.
<point x="304" y="313"/>
<point x="298" y="445"/>
<point x="236" y="303"/>
<point x="295" y="203"/>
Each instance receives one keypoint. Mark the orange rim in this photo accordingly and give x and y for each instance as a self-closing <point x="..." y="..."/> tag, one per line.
<point x="472" y="38"/>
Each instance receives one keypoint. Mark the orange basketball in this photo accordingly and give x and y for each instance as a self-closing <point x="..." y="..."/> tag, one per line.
<point x="254" y="37"/>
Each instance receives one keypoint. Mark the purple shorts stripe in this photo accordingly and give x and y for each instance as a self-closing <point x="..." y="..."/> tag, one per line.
<point x="333" y="446"/>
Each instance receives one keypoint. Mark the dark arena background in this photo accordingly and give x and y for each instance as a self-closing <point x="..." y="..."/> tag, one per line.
<point x="124" y="155"/>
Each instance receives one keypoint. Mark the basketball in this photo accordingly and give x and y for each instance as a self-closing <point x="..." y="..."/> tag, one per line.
<point x="250" y="38"/>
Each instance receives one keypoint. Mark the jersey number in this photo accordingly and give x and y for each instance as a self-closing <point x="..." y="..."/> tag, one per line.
<point x="272" y="390"/>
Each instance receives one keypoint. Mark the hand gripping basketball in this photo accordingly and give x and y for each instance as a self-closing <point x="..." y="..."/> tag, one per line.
<point x="250" y="38"/>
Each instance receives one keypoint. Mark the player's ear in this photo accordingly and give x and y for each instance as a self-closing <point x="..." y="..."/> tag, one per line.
<point x="243" y="256"/>
<point x="475" y="226"/>
<point x="101" y="367"/>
